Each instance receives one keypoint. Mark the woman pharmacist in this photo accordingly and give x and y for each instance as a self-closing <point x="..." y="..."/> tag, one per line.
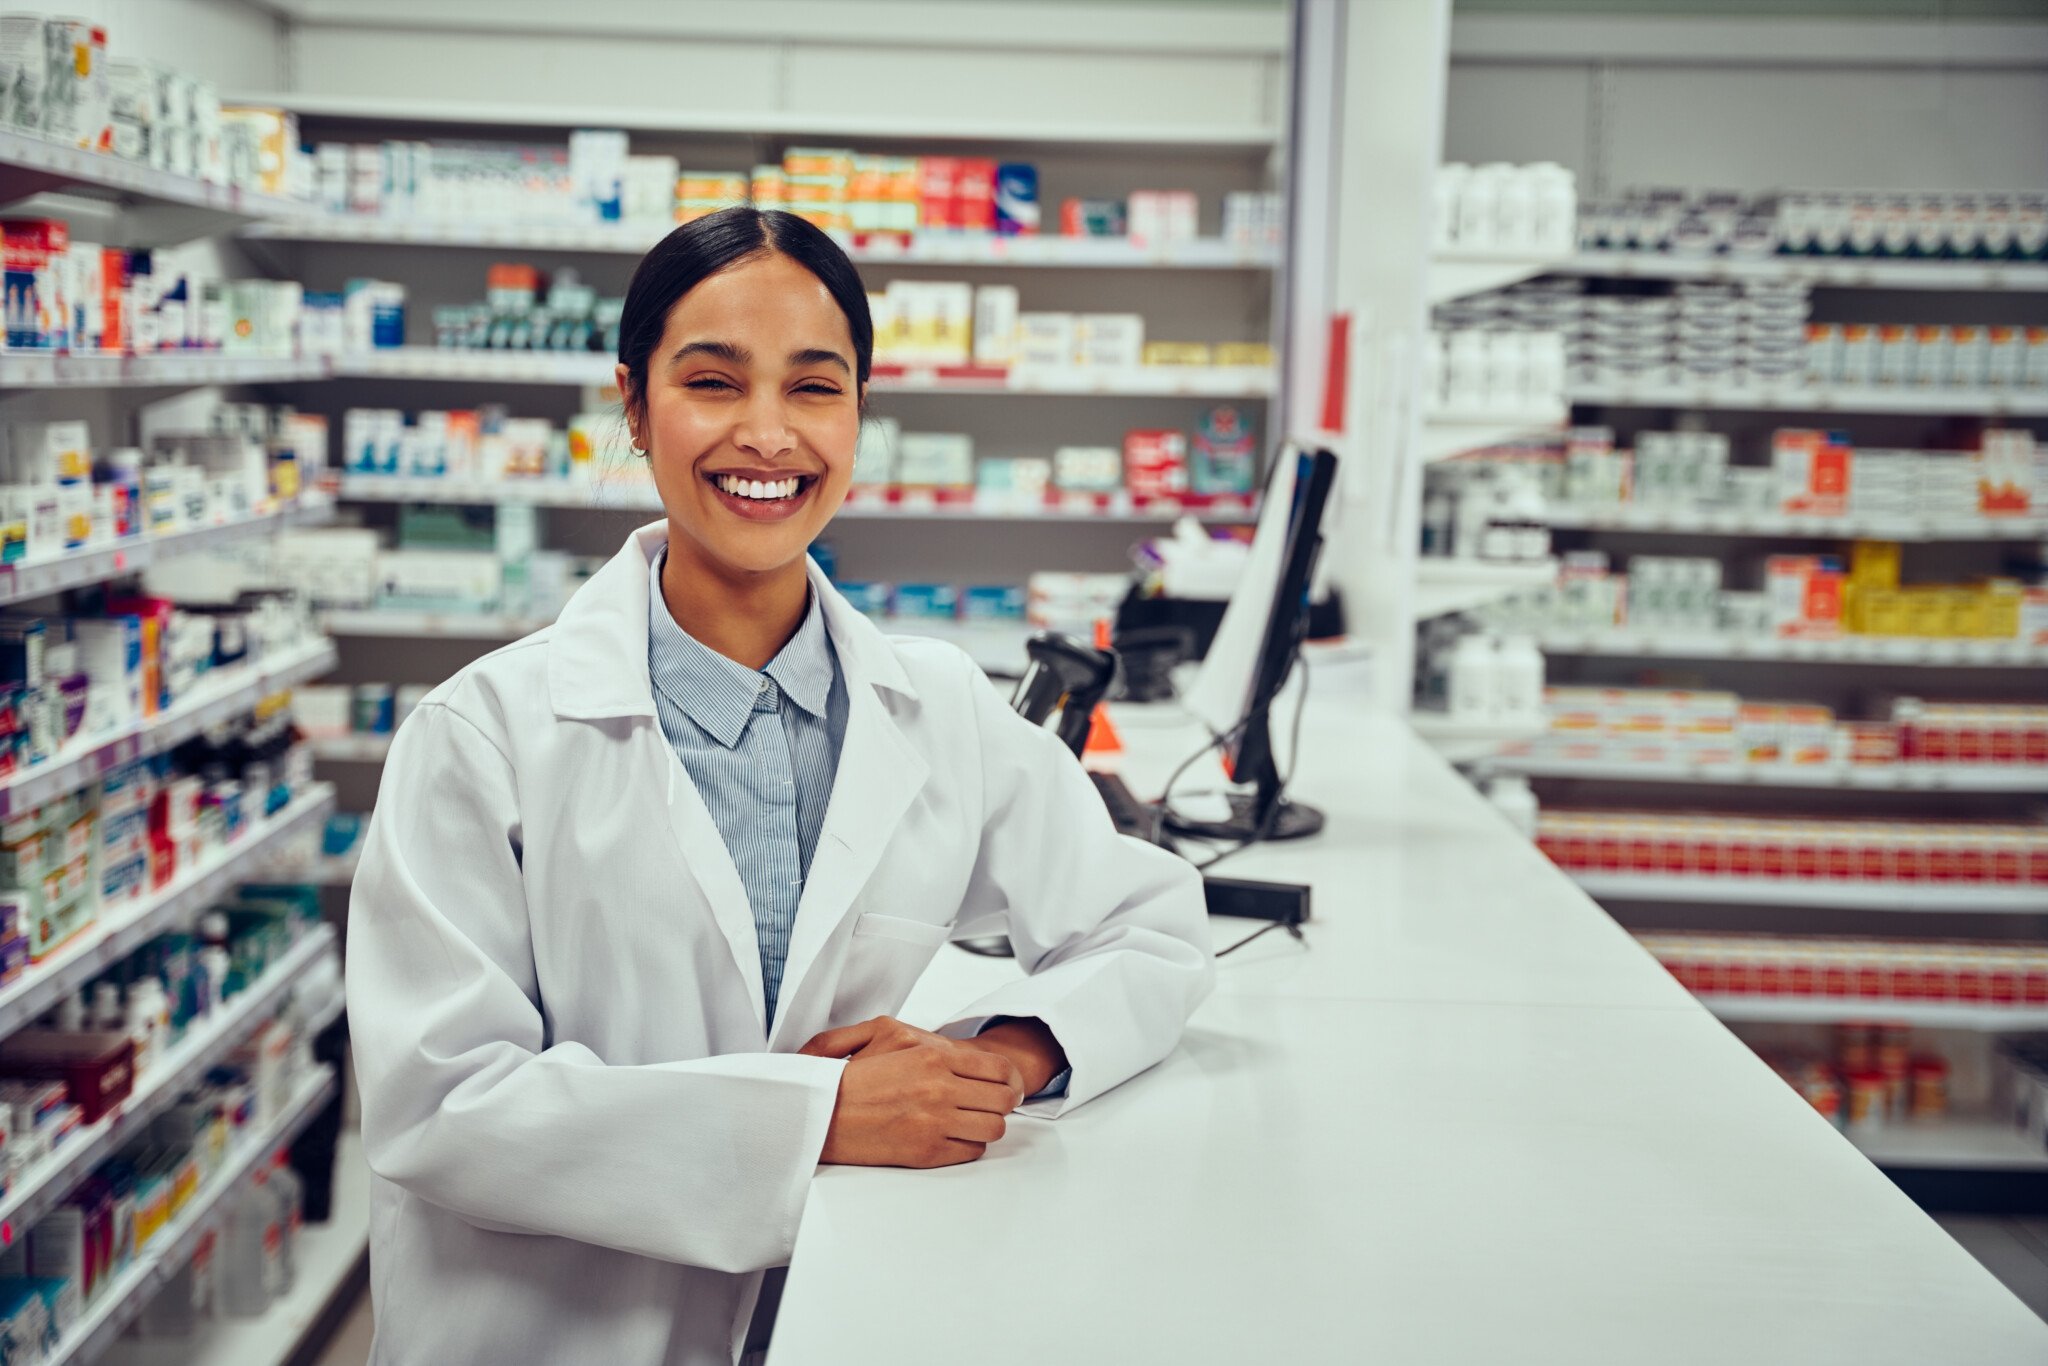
<point x="642" y="889"/>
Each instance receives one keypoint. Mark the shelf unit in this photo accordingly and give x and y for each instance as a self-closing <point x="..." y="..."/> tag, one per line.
<point x="330" y="1258"/>
<point x="1731" y="522"/>
<point x="27" y="370"/>
<point x="1990" y="1019"/>
<point x="1444" y="584"/>
<point x="1966" y="1141"/>
<point x="121" y="928"/>
<point x="226" y="692"/>
<point x="96" y="564"/>
<point x="590" y="368"/>
<point x="42" y="1187"/>
<point x="1896" y="650"/>
<point x="1820" y="398"/>
<point x="634" y="239"/>
<point x="119" y="1303"/>
<point x="351" y="749"/>
<point x="1456" y="273"/>
<point x="1461" y="741"/>
<point x="31" y="165"/>
<point x="1840" y="894"/>
<point x="1818" y="271"/>
<point x="1857" y="777"/>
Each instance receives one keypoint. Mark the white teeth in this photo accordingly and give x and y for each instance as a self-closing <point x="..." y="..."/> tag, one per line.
<point x="755" y="488"/>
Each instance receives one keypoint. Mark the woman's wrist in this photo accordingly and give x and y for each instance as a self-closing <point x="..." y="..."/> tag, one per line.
<point x="1029" y="1045"/>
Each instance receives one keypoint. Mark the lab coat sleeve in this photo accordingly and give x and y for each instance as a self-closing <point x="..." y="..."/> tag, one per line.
<point x="1114" y="932"/>
<point x="466" y="1106"/>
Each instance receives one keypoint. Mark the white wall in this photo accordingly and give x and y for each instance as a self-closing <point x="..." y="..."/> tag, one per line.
<point x="1142" y="64"/>
<point x="233" y="43"/>
<point x="1754" y="104"/>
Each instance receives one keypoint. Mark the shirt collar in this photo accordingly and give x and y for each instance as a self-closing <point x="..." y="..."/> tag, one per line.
<point x="719" y="694"/>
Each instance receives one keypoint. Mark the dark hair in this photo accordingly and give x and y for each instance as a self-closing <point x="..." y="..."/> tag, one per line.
<point x="698" y="250"/>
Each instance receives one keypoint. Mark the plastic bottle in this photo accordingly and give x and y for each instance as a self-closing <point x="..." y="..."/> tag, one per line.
<point x="71" y="1013"/>
<point x="290" y="1192"/>
<point x="1554" y="219"/>
<point x="1469" y="518"/>
<point x="1514" y="210"/>
<point x="243" y="1292"/>
<point x="107" y="1013"/>
<point x="1470" y="688"/>
<point x="1507" y="369"/>
<point x="1512" y="796"/>
<point x="1436" y="523"/>
<point x="1476" y="208"/>
<point x="1518" y="680"/>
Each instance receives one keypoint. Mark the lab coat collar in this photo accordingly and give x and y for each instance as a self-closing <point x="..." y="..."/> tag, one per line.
<point x="597" y="657"/>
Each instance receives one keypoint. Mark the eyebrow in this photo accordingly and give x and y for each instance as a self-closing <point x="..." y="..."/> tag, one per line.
<point x="740" y="356"/>
<point x="818" y="355"/>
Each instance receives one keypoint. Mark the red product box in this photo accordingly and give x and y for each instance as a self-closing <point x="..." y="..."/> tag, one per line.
<point x="938" y="180"/>
<point x="1769" y="978"/>
<point x="1806" y="861"/>
<point x="1969" y="984"/>
<point x="1835" y="979"/>
<point x="1941" y="861"/>
<point x="1840" y="863"/>
<point x="2034" y="746"/>
<point x="1973" y="746"/>
<point x="1801" y="978"/>
<point x="97" y="1068"/>
<point x="1868" y="980"/>
<point x="1155" y="462"/>
<point x="1707" y="977"/>
<point x="2005" y="984"/>
<point x="1642" y="854"/>
<point x="2037" y="862"/>
<point x="1772" y="859"/>
<point x="113" y="297"/>
<point x="2008" y="864"/>
<point x="975" y="192"/>
<point x="1973" y="862"/>
<point x="1738" y="978"/>
<point x="2034" y="986"/>
<point x="1909" y="861"/>
<point x="1937" y="744"/>
<point x="1671" y="854"/>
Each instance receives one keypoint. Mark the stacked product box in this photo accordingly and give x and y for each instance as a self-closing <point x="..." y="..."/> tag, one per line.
<point x="1923" y="225"/>
<point x="1849" y="967"/>
<point x="1927" y="355"/>
<point x="1951" y="853"/>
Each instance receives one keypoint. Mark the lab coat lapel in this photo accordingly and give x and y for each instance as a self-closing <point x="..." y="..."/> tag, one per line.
<point x="880" y="774"/>
<point x="710" y="863"/>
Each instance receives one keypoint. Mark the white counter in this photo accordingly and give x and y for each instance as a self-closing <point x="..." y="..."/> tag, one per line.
<point x="1470" y="1121"/>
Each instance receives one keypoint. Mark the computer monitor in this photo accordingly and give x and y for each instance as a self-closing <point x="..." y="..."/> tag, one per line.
<point x="1255" y="650"/>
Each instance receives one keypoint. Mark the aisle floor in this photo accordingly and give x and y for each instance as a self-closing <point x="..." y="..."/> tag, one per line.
<point x="2012" y="1248"/>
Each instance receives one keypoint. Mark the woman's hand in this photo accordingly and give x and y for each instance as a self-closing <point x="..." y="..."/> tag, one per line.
<point x="909" y="1098"/>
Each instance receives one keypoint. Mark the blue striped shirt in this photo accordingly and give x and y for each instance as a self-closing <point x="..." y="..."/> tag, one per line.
<point x="766" y="784"/>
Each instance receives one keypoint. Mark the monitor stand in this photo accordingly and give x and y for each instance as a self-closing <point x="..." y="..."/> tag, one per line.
<point x="1293" y="821"/>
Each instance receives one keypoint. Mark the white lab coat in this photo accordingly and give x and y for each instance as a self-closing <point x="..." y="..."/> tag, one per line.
<point x="584" y="1148"/>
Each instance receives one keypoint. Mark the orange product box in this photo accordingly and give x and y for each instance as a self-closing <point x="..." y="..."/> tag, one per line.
<point x="975" y="191"/>
<point x="938" y="189"/>
<point x="1814" y="470"/>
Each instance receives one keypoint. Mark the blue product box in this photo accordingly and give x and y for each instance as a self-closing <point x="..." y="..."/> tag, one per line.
<point x="827" y="558"/>
<point x="1017" y="207"/>
<point x="993" y="602"/>
<point x="869" y="599"/>
<point x="926" y="601"/>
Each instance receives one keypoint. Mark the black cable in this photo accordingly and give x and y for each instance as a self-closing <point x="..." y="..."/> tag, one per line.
<point x="1272" y="816"/>
<point x="1294" y="930"/>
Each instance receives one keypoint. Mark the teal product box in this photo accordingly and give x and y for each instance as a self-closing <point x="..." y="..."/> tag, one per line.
<point x="926" y="601"/>
<point x="869" y="599"/>
<point x="992" y="602"/>
<point x="1225" y="451"/>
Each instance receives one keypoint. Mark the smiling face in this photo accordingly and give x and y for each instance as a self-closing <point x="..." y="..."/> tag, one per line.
<point x="750" y="417"/>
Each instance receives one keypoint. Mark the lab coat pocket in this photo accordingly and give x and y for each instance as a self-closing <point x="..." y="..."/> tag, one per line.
<point x="885" y="955"/>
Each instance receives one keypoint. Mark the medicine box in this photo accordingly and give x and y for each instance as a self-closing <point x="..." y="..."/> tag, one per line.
<point x="438" y="580"/>
<point x="935" y="460"/>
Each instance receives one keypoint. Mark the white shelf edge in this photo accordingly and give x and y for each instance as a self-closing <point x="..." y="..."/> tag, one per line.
<point x="329" y="1256"/>
<point x="96" y="564"/>
<point x="105" y="171"/>
<point x="2018" y="401"/>
<point x="245" y="686"/>
<point x="388" y="109"/>
<point x="32" y="370"/>
<point x="1692" y="522"/>
<point x="119" y="1303"/>
<point x="1964" y="1141"/>
<point x="1848" y="649"/>
<point x="1447" y="433"/>
<point x="40" y="1189"/>
<point x="1818" y="271"/>
<point x="1444" y="584"/>
<point x="1456" y="273"/>
<point x="351" y="749"/>
<point x="1460" y="741"/>
<point x="1840" y="894"/>
<point x="121" y="928"/>
<point x="1855" y="777"/>
<point x="1751" y="1009"/>
<point x="397" y="625"/>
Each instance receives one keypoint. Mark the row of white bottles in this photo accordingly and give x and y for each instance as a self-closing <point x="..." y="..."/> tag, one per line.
<point x="1499" y="207"/>
<point x="1485" y="511"/>
<point x="241" y="1268"/>
<point x="1494" y="679"/>
<point x="1480" y="370"/>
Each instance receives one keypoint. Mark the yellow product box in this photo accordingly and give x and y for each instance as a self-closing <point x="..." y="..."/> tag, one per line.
<point x="817" y="161"/>
<point x="768" y="187"/>
<point x="1874" y="564"/>
<point x="730" y="186"/>
<point x="1243" y="353"/>
<point x="1178" y="353"/>
<point x="2004" y="607"/>
<point x="1972" y="614"/>
<point x="1884" y="612"/>
<point x="1927" y="612"/>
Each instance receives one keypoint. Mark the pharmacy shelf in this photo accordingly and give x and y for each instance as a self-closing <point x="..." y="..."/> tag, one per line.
<point x="1455" y="274"/>
<point x="1819" y="272"/>
<point x="1461" y="741"/>
<point x="42" y="1187"/>
<point x="20" y="370"/>
<point x="397" y="625"/>
<point x="1820" y="398"/>
<point x="1860" y="777"/>
<point x="31" y="165"/>
<point x="1898" y="650"/>
<point x="224" y="693"/>
<point x="996" y="646"/>
<point x="1839" y="894"/>
<point x="1838" y="1009"/>
<point x="330" y="1258"/>
<point x="1964" y="1141"/>
<point x="120" y="929"/>
<point x="77" y="568"/>
<point x="639" y="495"/>
<point x="336" y="870"/>
<point x="351" y="749"/>
<point x="119" y="1303"/>
<point x="770" y="124"/>
<point x="1444" y="584"/>
<point x="1452" y="432"/>
<point x="634" y="239"/>
<point x="1699" y="521"/>
<point x="590" y="368"/>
